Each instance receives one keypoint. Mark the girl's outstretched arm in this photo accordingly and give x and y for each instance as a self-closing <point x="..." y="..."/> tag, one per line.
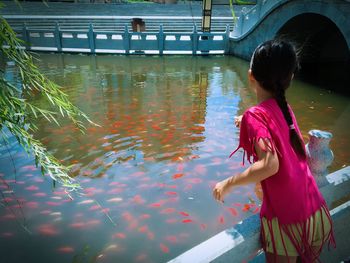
<point x="267" y="166"/>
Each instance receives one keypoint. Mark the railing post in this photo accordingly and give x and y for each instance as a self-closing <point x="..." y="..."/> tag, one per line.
<point x="161" y="40"/>
<point x="242" y="17"/>
<point x="227" y="39"/>
<point x="194" y="40"/>
<point x="58" y="38"/>
<point x="25" y="35"/>
<point x="92" y="39"/>
<point x="126" y="40"/>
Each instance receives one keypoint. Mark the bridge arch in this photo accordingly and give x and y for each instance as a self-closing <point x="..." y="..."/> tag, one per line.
<point x="323" y="50"/>
<point x="320" y="28"/>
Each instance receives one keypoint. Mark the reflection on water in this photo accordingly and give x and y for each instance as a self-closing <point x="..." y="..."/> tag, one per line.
<point x="147" y="172"/>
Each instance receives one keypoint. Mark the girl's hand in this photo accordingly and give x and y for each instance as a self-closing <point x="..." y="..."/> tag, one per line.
<point x="238" y="120"/>
<point x="221" y="189"/>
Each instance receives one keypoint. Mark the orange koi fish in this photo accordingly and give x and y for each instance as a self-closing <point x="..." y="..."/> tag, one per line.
<point x="176" y="176"/>
<point x="246" y="208"/>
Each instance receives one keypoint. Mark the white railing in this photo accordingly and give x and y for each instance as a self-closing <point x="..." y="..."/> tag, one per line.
<point x="241" y="243"/>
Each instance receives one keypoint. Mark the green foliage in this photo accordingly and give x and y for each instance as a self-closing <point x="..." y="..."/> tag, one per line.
<point x="18" y="114"/>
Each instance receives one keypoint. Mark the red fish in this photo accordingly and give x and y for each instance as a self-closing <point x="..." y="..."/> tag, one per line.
<point x="168" y="211"/>
<point x="7" y="199"/>
<point x="143" y="229"/>
<point x="246" y="208"/>
<point x="119" y="235"/>
<point x="94" y="208"/>
<point x="40" y="194"/>
<point x="127" y="216"/>
<point x="155" y="205"/>
<point x="115" y="190"/>
<point x="53" y="203"/>
<point x="32" y="205"/>
<point x="164" y="248"/>
<point x="137" y="199"/>
<point x="171" y="239"/>
<point x="7" y="234"/>
<point x="194" y="180"/>
<point x="200" y="169"/>
<point x="184" y="213"/>
<point x="171" y="220"/>
<point x="78" y="225"/>
<point x="93" y="222"/>
<point x="256" y="210"/>
<point x="187" y="221"/>
<point x="150" y="235"/>
<point x="171" y="193"/>
<point x="221" y="219"/>
<point x="47" y="230"/>
<point x="46" y="212"/>
<point x="32" y="188"/>
<point x="145" y="216"/>
<point x="141" y="258"/>
<point x="176" y="176"/>
<point x="65" y="250"/>
<point x="233" y="211"/>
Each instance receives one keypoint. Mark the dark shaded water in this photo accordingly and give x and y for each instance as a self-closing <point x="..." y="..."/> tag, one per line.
<point x="147" y="172"/>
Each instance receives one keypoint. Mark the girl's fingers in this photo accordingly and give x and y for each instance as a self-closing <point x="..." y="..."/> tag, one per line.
<point x="217" y="195"/>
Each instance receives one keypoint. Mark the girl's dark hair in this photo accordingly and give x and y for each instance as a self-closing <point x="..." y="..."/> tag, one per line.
<point x="273" y="65"/>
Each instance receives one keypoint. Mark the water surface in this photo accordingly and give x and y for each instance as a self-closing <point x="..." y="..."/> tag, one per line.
<point x="148" y="171"/>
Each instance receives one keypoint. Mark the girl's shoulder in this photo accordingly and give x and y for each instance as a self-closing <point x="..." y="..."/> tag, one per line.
<point x="256" y="112"/>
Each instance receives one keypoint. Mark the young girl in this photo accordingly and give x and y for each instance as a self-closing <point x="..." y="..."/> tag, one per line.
<point x="295" y="221"/>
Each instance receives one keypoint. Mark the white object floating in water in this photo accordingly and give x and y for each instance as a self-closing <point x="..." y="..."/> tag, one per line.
<point x="115" y="200"/>
<point x="190" y="198"/>
<point x="85" y="202"/>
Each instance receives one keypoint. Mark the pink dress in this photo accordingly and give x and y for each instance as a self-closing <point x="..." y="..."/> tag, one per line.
<point x="291" y="195"/>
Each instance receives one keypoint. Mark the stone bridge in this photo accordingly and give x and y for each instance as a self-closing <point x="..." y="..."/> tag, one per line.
<point x="320" y="30"/>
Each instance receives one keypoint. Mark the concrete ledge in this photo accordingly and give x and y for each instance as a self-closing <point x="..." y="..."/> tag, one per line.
<point x="241" y="242"/>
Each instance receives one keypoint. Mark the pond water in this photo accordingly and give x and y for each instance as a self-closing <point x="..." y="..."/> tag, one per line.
<point x="148" y="171"/>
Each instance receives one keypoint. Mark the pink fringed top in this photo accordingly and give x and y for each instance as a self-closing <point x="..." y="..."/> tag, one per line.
<point x="291" y="194"/>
